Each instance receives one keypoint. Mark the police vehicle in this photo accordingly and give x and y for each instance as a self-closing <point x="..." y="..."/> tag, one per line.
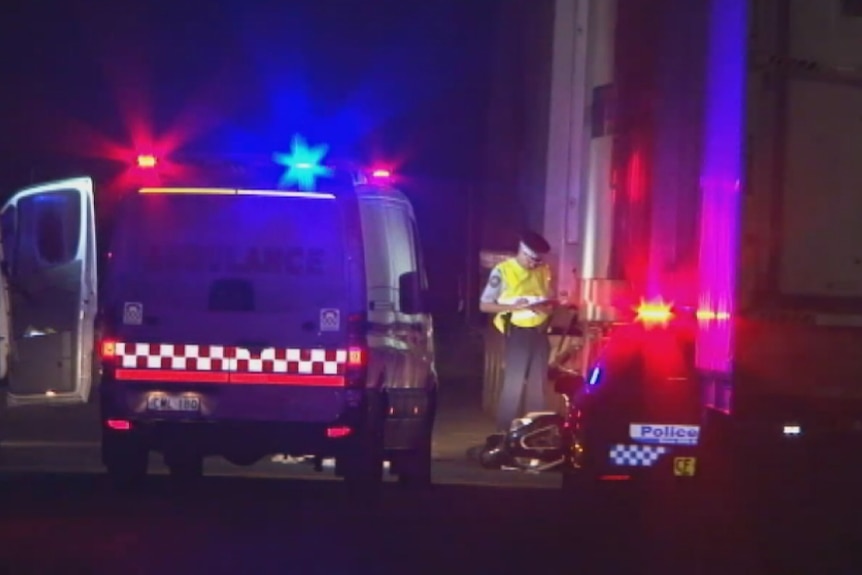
<point x="638" y="413"/>
<point x="240" y="319"/>
<point x="637" y="416"/>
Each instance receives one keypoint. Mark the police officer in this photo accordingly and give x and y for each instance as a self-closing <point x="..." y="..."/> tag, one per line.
<point x="518" y="293"/>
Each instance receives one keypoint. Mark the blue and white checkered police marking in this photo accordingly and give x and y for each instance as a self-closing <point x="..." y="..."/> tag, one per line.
<point x="636" y="455"/>
<point x="664" y="434"/>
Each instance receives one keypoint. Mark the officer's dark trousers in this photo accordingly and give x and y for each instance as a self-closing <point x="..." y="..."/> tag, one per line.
<point x="524" y="375"/>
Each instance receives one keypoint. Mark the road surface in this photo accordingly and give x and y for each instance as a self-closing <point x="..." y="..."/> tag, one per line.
<point x="58" y="516"/>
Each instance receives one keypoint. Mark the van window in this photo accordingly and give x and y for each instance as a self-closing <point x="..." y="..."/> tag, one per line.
<point x="242" y="254"/>
<point x="390" y="250"/>
<point x="420" y="256"/>
<point x="55" y="220"/>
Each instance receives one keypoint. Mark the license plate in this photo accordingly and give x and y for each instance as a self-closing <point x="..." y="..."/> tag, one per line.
<point x="684" y="466"/>
<point x="183" y="403"/>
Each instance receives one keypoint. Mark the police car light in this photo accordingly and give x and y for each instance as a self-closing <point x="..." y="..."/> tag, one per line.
<point x="595" y="374"/>
<point x="147" y="161"/>
<point x="381" y="174"/>
<point x="654" y="313"/>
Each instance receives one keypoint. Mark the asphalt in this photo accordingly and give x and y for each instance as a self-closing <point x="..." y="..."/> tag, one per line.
<point x="66" y="440"/>
<point x="58" y="514"/>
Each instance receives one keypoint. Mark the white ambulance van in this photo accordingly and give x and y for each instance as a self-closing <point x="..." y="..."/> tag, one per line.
<point x="234" y="321"/>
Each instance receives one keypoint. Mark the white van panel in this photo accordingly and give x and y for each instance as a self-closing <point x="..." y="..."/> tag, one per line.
<point x="258" y="270"/>
<point x="389" y="250"/>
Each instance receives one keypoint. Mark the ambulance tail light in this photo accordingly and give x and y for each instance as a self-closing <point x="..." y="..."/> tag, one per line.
<point x="356" y="357"/>
<point x="108" y="349"/>
<point x="108" y="356"/>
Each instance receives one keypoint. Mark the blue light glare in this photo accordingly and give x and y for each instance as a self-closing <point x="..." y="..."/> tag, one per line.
<point x="595" y="374"/>
<point x="303" y="164"/>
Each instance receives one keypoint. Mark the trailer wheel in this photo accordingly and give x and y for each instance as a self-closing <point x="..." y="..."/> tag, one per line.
<point x="414" y="466"/>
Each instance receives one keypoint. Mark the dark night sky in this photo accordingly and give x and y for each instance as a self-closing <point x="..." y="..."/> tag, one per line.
<point x="391" y="79"/>
<point x="397" y="81"/>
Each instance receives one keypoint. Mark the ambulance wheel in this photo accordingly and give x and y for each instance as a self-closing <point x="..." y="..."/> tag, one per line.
<point x="126" y="460"/>
<point x="363" y="460"/>
<point x="414" y="467"/>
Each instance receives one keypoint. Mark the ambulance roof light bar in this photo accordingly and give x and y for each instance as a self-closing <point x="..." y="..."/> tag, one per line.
<point x="147" y="161"/>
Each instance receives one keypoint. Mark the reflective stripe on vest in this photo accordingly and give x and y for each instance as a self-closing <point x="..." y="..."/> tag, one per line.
<point x="519" y="282"/>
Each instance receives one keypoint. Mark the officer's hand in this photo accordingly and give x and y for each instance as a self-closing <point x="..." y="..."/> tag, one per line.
<point x="522" y="303"/>
<point x="544" y="307"/>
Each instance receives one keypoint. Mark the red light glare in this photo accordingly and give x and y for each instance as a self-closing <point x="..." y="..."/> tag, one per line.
<point x="336" y="432"/>
<point x="381" y="174"/>
<point x="109" y="349"/>
<point x="654" y="313"/>
<point x="708" y="315"/>
<point x="147" y="161"/>
<point x="356" y="357"/>
<point x="119" y="424"/>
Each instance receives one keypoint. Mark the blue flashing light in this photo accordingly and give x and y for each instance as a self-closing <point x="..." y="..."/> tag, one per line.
<point x="303" y="164"/>
<point x="595" y="374"/>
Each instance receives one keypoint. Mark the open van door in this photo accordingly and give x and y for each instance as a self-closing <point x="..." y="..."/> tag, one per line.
<point x="49" y="268"/>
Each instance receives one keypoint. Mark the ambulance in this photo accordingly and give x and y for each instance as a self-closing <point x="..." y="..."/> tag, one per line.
<point x="242" y="319"/>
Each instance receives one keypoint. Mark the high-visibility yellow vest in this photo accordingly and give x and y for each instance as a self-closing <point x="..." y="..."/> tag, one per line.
<point x="519" y="282"/>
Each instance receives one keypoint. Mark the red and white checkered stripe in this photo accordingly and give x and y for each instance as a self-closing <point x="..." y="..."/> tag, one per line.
<point x="217" y="358"/>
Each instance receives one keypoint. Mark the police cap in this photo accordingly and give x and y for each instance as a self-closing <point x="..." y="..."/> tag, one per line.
<point x="535" y="242"/>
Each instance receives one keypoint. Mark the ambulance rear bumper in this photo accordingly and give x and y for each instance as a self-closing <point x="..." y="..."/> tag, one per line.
<point x="221" y="419"/>
<point x="229" y="403"/>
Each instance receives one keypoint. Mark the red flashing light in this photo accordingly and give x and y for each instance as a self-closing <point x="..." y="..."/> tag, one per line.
<point x="147" y="161"/>
<point x="381" y="174"/>
<point x="654" y="313"/>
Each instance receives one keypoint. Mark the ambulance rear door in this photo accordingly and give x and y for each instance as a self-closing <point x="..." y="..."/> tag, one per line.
<point x="49" y="266"/>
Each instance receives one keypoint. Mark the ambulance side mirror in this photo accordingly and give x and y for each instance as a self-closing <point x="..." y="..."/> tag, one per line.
<point x="412" y="298"/>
